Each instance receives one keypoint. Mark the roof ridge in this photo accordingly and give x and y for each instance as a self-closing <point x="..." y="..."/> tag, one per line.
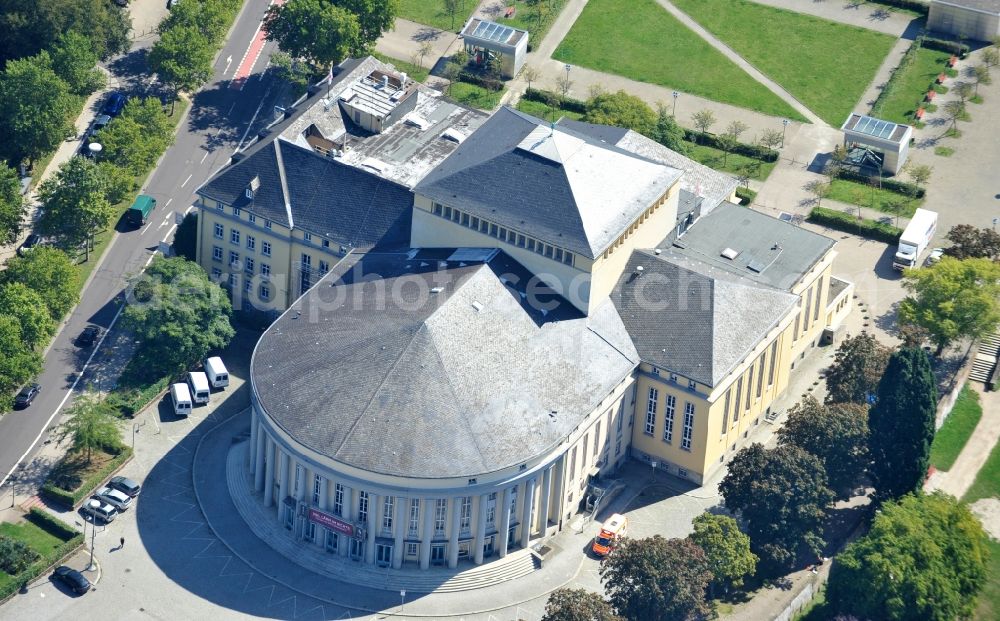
<point x="284" y="183"/>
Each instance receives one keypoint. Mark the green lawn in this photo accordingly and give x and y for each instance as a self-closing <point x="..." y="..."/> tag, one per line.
<point x="987" y="483"/>
<point x="638" y="39"/>
<point x="884" y="200"/>
<point x="989" y="599"/>
<point x="527" y="19"/>
<point x="907" y="91"/>
<point x="543" y="111"/>
<point x="736" y="164"/>
<point x="432" y="13"/>
<point x="825" y="65"/>
<point x="414" y="71"/>
<point x="475" y="96"/>
<point x="957" y="428"/>
<point x="39" y="540"/>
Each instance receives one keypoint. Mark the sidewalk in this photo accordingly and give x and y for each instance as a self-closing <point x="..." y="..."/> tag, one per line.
<point x="957" y="480"/>
<point x="863" y="15"/>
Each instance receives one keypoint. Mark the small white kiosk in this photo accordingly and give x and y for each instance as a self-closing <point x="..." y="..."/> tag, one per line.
<point x="874" y="143"/>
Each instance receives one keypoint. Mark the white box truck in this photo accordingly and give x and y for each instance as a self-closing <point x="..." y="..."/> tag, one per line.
<point x="200" y="392"/>
<point x="915" y="238"/>
<point x="216" y="371"/>
<point x="180" y="396"/>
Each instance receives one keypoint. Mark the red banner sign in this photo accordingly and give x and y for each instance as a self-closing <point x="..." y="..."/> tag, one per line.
<point x="328" y="521"/>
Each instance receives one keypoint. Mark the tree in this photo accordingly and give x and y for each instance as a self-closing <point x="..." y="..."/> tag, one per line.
<point x="952" y="299"/>
<point x="667" y="132"/>
<point x="316" y="30"/>
<point x="18" y="363"/>
<point x="450" y="72"/>
<point x="209" y="17"/>
<point x="178" y="314"/>
<point x="857" y="368"/>
<point x="926" y="554"/>
<point x="451" y="7"/>
<point x="901" y="424"/>
<point x="75" y="61"/>
<point x="621" y="110"/>
<point x="991" y="57"/>
<point x="29" y="27"/>
<point x="703" y="120"/>
<point x="968" y="242"/>
<point x="919" y="174"/>
<point x="76" y="205"/>
<point x="770" y="138"/>
<point x="35" y="109"/>
<point x="424" y="50"/>
<point x="374" y="17"/>
<point x="12" y="205"/>
<point x="182" y="58"/>
<point x="30" y="311"/>
<point x="15" y="555"/>
<point x="564" y="85"/>
<point x="963" y="90"/>
<point x="186" y="237"/>
<point x="529" y="74"/>
<point x="49" y="273"/>
<point x="726" y="547"/>
<point x="577" y="605"/>
<point x="819" y="189"/>
<point x="953" y="111"/>
<point x="782" y="496"/>
<point x="92" y="424"/>
<point x="835" y="433"/>
<point x="981" y="74"/>
<point x="296" y="72"/>
<point x="138" y="136"/>
<point x="657" y="578"/>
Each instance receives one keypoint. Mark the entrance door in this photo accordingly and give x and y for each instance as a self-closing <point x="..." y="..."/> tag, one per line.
<point x="511" y="539"/>
<point x="437" y="554"/>
<point x="383" y="554"/>
<point x="332" y="541"/>
<point x="488" y="546"/>
<point x="357" y="549"/>
<point x="289" y="516"/>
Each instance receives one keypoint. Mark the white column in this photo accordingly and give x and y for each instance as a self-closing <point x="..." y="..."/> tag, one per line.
<point x="258" y="473"/>
<point x="320" y="531"/>
<point x="344" y="545"/>
<point x="456" y="516"/>
<point x="300" y="494"/>
<point x="269" y="475"/>
<point x="546" y="494"/>
<point x="477" y="555"/>
<point x="504" y="522"/>
<point x="253" y="442"/>
<point x="399" y="529"/>
<point x="427" y="505"/>
<point x="373" y="507"/>
<point x="284" y="461"/>
<point x="529" y="501"/>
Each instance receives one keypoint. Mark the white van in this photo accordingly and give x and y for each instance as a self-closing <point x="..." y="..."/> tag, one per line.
<point x="198" y="382"/>
<point x="217" y="374"/>
<point x="181" y="397"/>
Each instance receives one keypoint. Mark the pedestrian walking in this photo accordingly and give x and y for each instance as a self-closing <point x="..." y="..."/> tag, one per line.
<point x="122" y="542"/>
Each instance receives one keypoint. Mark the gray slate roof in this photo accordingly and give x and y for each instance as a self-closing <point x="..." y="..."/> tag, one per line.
<point x="436" y="387"/>
<point x="559" y="185"/>
<point x="346" y="205"/>
<point x="693" y="324"/>
<point x="988" y="6"/>
<point x="781" y="251"/>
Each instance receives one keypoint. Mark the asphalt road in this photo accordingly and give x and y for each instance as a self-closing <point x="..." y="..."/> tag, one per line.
<point x="219" y="119"/>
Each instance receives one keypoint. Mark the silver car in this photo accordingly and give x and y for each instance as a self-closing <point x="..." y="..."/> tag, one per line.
<point x="113" y="497"/>
<point x="102" y="512"/>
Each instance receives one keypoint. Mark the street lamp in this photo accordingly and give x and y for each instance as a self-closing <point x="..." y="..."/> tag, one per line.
<point x="13" y="480"/>
<point x="135" y="430"/>
<point x="674" y="112"/>
<point x="995" y="220"/>
<point x="568" y="67"/>
<point x="784" y="126"/>
<point x="93" y="504"/>
<point x="402" y="599"/>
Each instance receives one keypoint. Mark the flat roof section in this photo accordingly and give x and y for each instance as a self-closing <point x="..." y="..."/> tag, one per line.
<point x="876" y="128"/>
<point x="493" y="32"/>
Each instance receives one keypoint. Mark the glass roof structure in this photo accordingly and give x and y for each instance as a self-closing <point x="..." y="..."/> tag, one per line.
<point x="493" y="32"/>
<point x="874" y="127"/>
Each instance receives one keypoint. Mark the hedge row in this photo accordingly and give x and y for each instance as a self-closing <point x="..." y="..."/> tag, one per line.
<point x="913" y="5"/>
<point x="887" y="88"/>
<point x="42" y="565"/>
<point x="755" y="151"/>
<point x="51" y="524"/>
<point x="128" y="401"/>
<point x="71" y="498"/>
<point x="746" y="195"/>
<point x="490" y="84"/>
<point x="893" y="185"/>
<point x="851" y="224"/>
<point x="566" y="103"/>
<point x="952" y="47"/>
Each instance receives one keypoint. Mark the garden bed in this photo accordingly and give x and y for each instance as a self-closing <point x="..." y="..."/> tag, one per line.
<point x="858" y="226"/>
<point x="904" y="94"/>
<point x="881" y="199"/>
<point x="47" y="537"/>
<point x="958" y="427"/>
<point x="72" y="479"/>
<point x="475" y="96"/>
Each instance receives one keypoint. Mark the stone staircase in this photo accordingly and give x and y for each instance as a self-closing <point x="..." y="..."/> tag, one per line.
<point x="985" y="361"/>
<point x="264" y="523"/>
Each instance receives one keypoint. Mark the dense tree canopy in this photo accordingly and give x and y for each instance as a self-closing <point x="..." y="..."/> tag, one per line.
<point x="901" y="424"/>
<point x="577" y="605"/>
<point x="49" y="273"/>
<point x="316" y="30"/>
<point x="924" y="559"/>
<point x="12" y="205"/>
<point x="953" y="299"/>
<point x="93" y="424"/>
<point x="657" y="578"/>
<point x="209" y="17"/>
<point x="782" y="496"/>
<point x="182" y="58"/>
<point x="667" y="132"/>
<point x="835" y="433"/>
<point x="857" y="368"/>
<point x="35" y="109"/>
<point x="621" y="110"/>
<point x="74" y="59"/>
<point x="969" y="242"/>
<point x="30" y="26"/>
<point x="18" y="363"/>
<point x="186" y="238"/>
<point x="374" y="18"/>
<point x="138" y="136"/>
<point x="726" y="547"/>
<point x="178" y="314"/>
<point x="29" y="309"/>
<point x="76" y="203"/>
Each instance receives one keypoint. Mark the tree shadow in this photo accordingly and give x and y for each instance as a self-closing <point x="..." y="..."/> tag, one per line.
<point x="210" y="111"/>
<point x="888" y="321"/>
<point x="426" y="34"/>
<point x="132" y="70"/>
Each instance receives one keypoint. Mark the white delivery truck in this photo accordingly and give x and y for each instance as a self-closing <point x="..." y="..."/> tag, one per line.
<point x="181" y="398"/>
<point x="915" y="238"/>
<point x="216" y="371"/>
<point x="200" y="391"/>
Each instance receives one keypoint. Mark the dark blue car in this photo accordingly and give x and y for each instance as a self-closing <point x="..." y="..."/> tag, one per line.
<point x="116" y="101"/>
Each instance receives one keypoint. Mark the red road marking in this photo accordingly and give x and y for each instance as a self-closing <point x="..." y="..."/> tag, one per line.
<point x="250" y="56"/>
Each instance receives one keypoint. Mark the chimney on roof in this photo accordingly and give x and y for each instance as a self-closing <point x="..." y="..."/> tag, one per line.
<point x="402" y="80"/>
<point x="385" y="81"/>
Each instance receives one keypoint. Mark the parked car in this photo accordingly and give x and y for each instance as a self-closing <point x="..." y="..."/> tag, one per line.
<point x="935" y="256"/>
<point x="171" y="4"/>
<point x="29" y="244"/>
<point x="103" y="512"/>
<point x="122" y="3"/>
<point x="89" y="336"/>
<point x="126" y="485"/>
<point x="26" y="396"/>
<point x="99" y="123"/>
<point x="116" y="498"/>
<point x="115" y="103"/>
<point x="72" y="578"/>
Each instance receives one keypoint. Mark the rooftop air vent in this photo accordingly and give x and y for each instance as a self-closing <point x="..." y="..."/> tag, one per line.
<point x="437" y="289"/>
<point x="730" y="254"/>
<point x="478" y="306"/>
<point x="452" y="135"/>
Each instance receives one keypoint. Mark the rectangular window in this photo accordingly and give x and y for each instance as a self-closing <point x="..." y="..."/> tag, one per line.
<point x="530" y="244"/>
<point x="805" y="316"/>
<point x="234" y="259"/>
<point x="414" y="525"/>
<point x="317" y="486"/>
<point x="338" y="500"/>
<point x="725" y="410"/>
<point x="558" y="255"/>
<point x="234" y="237"/>
<point x="220" y="206"/>
<point x="252" y="218"/>
<point x="688" y="426"/>
<point x="265" y="292"/>
<point x="219" y="231"/>
<point x="456" y="215"/>
<point x="760" y="376"/>
<point x="819" y="294"/>
<point x="298" y="478"/>
<point x="548" y="251"/>
<point x="307" y="237"/>
<point x="363" y="506"/>
<point x="248" y="265"/>
<point x="513" y="503"/>
<point x="774" y="358"/>
<point x="216" y="273"/>
<point x="265" y="248"/>
<point x="465" y="219"/>
<point x="438" y="209"/>
<point x="216" y="253"/>
<point x="651" y="411"/>
<point x="326" y="243"/>
<point x="236" y="211"/>
<point x="447" y="212"/>
<point x="251" y="242"/>
<point x="265" y="269"/>
<point x="267" y="224"/>
<point x="749" y="386"/>
<point x="795" y="332"/>
<point x="465" y="515"/>
<point x="324" y="267"/>
<point x="739" y="394"/>
<point x="621" y="420"/>
<point x="232" y="280"/>
<point x="668" y="422"/>
<point x="307" y="260"/>
<point x="568" y="258"/>
<point x="572" y="465"/>
<point x="440" y="513"/>
<point x="618" y="447"/>
<point x="503" y="234"/>
<point x="491" y="509"/>
<point x="387" y="508"/>
<point x="597" y="437"/>
<point x="494" y="229"/>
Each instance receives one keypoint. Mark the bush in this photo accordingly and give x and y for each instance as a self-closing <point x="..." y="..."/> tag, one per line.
<point x="15" y="555"/>
<point x="490" y="84"/>
<point x="40" y="566"/>
<point x="566" y="103"/>
<point x="904" y="62"/>
<point x="912" y="5"/>
<point x="71" y="498"/>
<point x="952" y="47"/>
<point x="850" y="224"/>
<point x="893" y="185"/>
<point x="51" y="525"/>
<point x="749" y="150"/>
<point x="746" y="195"/>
